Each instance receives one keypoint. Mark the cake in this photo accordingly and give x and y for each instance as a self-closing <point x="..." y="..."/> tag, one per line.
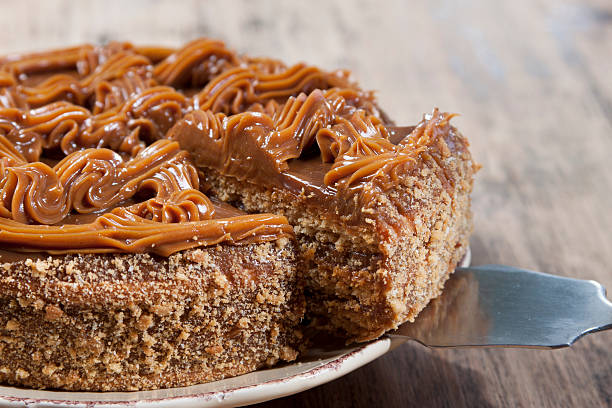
<point x="171" y="217"/>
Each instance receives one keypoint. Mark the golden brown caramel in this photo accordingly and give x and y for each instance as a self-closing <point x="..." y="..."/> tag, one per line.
<point x="256" y="146"/>
<point x="119" y="188"/>
<point x="93" y="180"/>
<point x="122" y="231"/>
<point x="260" y="147"/>
<point x="108" y="109"/>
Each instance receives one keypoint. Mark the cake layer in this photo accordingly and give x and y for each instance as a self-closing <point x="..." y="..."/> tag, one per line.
<point x="129" y="322"/>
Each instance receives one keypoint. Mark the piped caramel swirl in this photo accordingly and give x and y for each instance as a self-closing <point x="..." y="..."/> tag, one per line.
<point x="91" y="143"/>
<point x="107" y="110"/>
<point x="94" y="180"/>
<point x="261" y="147"/>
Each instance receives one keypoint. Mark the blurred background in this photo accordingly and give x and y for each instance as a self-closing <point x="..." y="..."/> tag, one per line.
<point x="532" y="82"/>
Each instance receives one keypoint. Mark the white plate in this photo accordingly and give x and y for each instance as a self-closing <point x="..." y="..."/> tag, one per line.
<point x="315" y="368"/>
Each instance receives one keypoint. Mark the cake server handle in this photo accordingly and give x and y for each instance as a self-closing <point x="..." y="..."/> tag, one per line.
<point x="503" y="306"/>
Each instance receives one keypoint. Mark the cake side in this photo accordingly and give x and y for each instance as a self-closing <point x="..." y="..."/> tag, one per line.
<point x="127" y="322"/>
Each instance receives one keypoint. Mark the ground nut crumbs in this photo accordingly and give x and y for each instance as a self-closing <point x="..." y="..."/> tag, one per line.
<point x="128" y="328"/>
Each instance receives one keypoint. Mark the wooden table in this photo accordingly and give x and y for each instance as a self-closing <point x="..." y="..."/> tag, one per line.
<point x="533" y="84"/>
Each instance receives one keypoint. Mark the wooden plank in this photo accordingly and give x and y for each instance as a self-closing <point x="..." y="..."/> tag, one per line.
<point x="532" y="83"/>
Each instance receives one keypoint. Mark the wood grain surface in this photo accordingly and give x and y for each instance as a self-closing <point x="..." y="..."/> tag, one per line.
<point x="532" y="81"/>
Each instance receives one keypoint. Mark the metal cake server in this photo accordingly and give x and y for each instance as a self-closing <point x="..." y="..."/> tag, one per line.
<point x="502" y="306"/>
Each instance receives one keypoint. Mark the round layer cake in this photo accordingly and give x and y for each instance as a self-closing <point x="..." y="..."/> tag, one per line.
<point x="168" y="216"/>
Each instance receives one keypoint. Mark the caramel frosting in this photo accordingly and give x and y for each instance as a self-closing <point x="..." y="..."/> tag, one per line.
<point x="91" y="143"/>
<point x="357" y="150"/>
<point x="93" y="180"/>
<point x="84" y="161"/>
<point x="177" y="216"/>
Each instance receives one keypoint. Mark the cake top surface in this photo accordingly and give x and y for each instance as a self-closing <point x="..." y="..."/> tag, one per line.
<point x="92" y="139"/>
<point x="84" y="162"/>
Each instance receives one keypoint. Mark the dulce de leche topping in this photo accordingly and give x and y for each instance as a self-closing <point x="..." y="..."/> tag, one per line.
<point x="355" y="149"/>
<point x="91" y="143"/>
<point x="84" y="163"/>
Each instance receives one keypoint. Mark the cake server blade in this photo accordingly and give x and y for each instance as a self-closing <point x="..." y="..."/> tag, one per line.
<point x="503" y="306"/>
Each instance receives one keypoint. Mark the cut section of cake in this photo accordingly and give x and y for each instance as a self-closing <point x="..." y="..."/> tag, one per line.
<point x="121" y="275"/>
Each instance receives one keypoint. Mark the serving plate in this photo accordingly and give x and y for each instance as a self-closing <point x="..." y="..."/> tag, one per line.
<point x="318" y="366"/>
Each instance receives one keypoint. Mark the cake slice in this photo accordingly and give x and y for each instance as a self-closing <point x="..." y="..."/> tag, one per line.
<point x="381" y="214"/>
